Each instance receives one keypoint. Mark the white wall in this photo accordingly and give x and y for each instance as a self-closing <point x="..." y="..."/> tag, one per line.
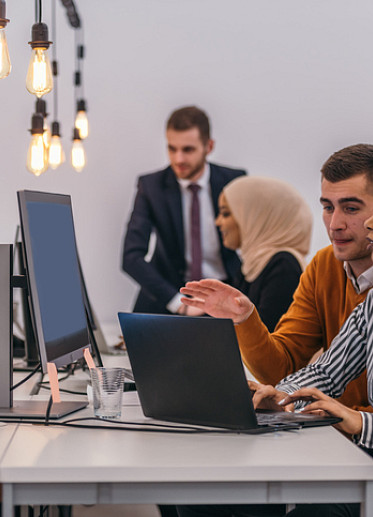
<point x="285" y="82"/>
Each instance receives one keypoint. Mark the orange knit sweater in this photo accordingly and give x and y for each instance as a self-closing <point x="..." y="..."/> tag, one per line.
<point x="322" y="302"/>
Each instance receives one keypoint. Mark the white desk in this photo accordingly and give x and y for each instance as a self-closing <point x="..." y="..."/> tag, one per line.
<point x="57" y="465"/>
<point x="81" y="466"/>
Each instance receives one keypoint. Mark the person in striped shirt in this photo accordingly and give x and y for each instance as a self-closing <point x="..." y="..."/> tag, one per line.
<point x="314" y="388"/>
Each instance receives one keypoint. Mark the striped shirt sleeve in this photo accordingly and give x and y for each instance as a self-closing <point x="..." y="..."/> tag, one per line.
<point x="349" y="354"/>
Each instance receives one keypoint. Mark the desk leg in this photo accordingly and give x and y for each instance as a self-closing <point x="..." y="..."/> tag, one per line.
<point x="7" y="500"/>
<point x="367" y="506"/>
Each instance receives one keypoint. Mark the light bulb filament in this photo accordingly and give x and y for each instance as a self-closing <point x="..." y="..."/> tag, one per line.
<point x="5" y="65"/>
<point x="37" y="156"/>
<point x="39" y="79"/>
<point x="78" y="156"/>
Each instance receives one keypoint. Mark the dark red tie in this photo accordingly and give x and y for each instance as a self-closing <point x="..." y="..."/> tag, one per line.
<point x="195" y="226"/>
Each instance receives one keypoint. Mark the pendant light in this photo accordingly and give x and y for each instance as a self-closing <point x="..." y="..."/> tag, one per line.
<point x="77" y="152"/>
<point x="39" y="80"/>
<point x="56" y="154"/>
<point x="41" y="107"/>
<point x="37" y="155"/>
<point x="81" y="119"/>
<point x="5" y="65"/>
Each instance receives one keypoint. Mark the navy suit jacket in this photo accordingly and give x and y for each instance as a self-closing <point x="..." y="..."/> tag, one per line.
<point x="158" y="209"/>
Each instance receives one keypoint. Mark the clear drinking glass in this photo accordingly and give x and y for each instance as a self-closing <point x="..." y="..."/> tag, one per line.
<point x="107" y="387"/>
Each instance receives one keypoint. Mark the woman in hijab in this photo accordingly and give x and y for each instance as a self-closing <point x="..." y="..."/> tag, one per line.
<point x="271" y="225"/>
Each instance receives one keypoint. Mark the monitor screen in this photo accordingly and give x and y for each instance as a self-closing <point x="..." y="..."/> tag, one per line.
<point x="54" y="281"/>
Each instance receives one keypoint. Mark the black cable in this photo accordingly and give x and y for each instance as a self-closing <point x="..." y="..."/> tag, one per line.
<point x="48" y="412"/>
<point x="62" y="390"/>
<point x="81" y="58"/>
<point x="148" y="426"/>
<point x="145" y="424"/>
<point x="60" y="379"/>
<point x="55" y="66"/>
<point x="26" y="378"/>
<point x="40" y="8"/>
<point x="54" y="31"/>
<point x="77" y="69"/>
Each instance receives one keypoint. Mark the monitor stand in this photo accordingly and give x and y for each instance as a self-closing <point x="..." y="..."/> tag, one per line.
<point x="25" y="408"/>
<point x="37" y="409"/>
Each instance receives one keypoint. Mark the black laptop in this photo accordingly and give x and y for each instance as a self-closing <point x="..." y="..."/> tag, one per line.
<point x="189" y="370"/>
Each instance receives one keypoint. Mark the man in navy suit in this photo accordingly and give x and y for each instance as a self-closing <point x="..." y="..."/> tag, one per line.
<point x="162" y="207"/>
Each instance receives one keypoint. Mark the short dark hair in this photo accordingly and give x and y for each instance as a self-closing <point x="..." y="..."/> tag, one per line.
<point x="348" y="162"/>
<point x="189" y="117"/>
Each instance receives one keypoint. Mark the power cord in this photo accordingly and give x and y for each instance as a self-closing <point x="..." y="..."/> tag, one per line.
<point x="145" y="426"/>
<point x="37" y="367"/>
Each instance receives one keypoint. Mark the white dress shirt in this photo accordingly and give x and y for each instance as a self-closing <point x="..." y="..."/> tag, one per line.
<point x="212" y="263"/>
<point x="362" y="282"/>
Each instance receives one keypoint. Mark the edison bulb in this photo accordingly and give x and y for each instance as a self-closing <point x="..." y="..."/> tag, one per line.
<point x="39" y="80"/>
<point x="37" y="155"/>
<point x="81" y="123"/>
<point x="56" y="154"/>
<point x="47" y="135"/>
<point x="5" y="65"/>
<point x="78" y="155"/>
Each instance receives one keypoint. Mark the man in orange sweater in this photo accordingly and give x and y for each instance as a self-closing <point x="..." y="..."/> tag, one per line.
<point x="336" y="280"/>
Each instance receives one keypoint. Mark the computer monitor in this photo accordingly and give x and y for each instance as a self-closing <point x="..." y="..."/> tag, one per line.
<point x="27" y="348"/>
<point x="55" y="290"/>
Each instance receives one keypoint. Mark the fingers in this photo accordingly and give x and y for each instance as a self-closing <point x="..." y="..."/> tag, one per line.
<point x="207" y="286"/>
<point x="210" y="283"/>
<point x="264" y="396"/>
<point x="193" y="302"/>
<point x="317" y="406"/>
<point x="305" y="395"/>
<point x="253" y="385"/>
<point x="196" y="290"/>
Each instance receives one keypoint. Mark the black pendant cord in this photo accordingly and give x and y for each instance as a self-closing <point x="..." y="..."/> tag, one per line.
<point x="55" y="66"/>
<point x="38" y="11"/>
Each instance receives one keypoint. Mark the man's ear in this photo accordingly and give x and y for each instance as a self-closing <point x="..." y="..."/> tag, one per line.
<point x="210" y="145"/>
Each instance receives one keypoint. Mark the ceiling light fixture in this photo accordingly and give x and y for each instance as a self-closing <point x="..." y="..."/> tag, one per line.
<point x="5" y="64"/>
<point x="39" y="80"/>
<point x="41" y="107"/>
<point x="37" y="155"/>
<point x="56" y="154"/>
<point x="77" y="152"/>
<point x="81" y="120"/>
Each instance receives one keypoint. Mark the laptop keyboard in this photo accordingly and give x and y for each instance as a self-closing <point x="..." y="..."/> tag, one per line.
<point x="280" y="417"/>
<point x="283" y="417"/>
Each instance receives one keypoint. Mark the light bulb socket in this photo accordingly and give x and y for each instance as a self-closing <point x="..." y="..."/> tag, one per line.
<point x="41" y="107"/>
<point x="81" y="105"/>
<point x="37" y="124"/>
<point x="39" y="36"/>
<point x="76" y="134"/>
<point x="80" y="52"/>
<point x="77" y="78"/>
<point x="55" y="68"/>
<point x="56" y="129"/>
<point x="3" y="20"/>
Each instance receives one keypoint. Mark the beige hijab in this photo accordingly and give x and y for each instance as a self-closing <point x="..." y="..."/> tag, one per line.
<point x="272" y="216"/>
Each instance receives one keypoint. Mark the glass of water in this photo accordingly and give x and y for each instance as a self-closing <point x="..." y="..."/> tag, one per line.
<point x="107" y="387"/>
